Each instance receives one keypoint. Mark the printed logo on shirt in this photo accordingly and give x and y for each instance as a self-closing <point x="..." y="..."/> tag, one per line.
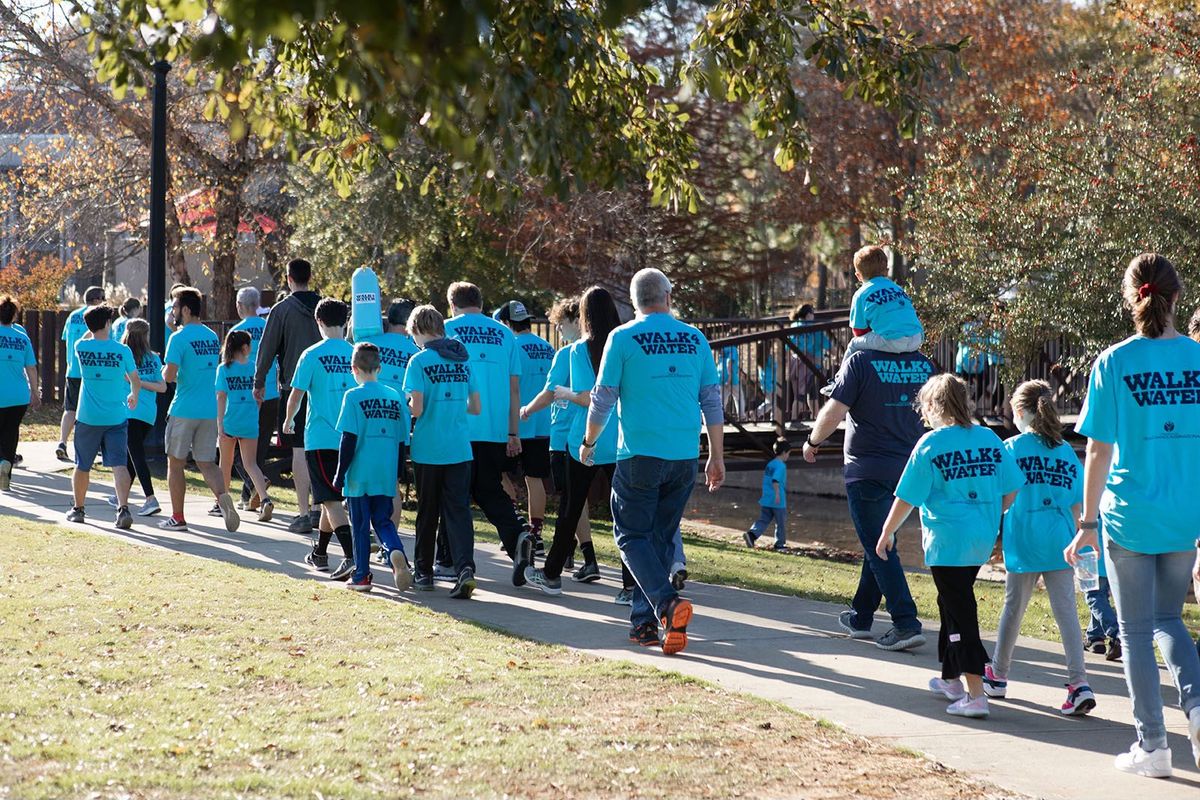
<point x="205" y="347"/>
<point x="881" y="297"/>
<point x="1164" y="388"/>
<point x="666" y="343"/>
<point x="240" y="383"/>
<point x="538" y="351"/>
<point x="479" y="334"/>
<point x="380" y="408"/>
<point x="1049" y="471"/>
<point x="394" y="358"/>
<point x="447" y="373"/>
<point x="9" y="343"/>
<point x="970" y="463"/>
<point x="335" y="365"/>
<point x="911" y="373"/>
<point x="91" y="358"/>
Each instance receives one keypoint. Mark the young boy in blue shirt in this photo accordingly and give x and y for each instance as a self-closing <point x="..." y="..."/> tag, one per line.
<point x="373" y="425"/>
<point x="108" y="391"/>
<point x="774" y="498"/>
<point x="881" y="315"/>
<point x="442" y="390"/>
<point x="323" y="373"/>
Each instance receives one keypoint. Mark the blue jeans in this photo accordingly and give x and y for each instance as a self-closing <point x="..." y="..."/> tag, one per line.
<point x="870" y="501"/>
<point x="365" y="513"/>
<point x="767" y="514"/>
<point x="1150" y="590"/>
<point x="648" y="498"/>
<point x="1104" y="619"/>
<point x="677" y="545"/>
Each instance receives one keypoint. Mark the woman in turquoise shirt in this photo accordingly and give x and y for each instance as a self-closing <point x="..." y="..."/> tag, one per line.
<point x="1142" y="420"/>
<point x="18" y="385"/>
<point x="237" y="415"/>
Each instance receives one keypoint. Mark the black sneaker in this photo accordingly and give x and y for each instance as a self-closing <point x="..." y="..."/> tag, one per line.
<point x="1097" y="646"/>
<point x="423" y="583"/>
<point x="748" y="537"/>
<point x="318" y="561"/>
<point x="679" y="579"/>
<point x="522" y="558"/>
<point x="645" y="634"/>
<point x="343" y="571"/>
<point x="539" y="546"/>
<point x="588" y="573"/>
<point x="464" y="587"/>
<point x="124" y="519"/>
<point x="60" y="452"/>
<point x="216" y="511"/>
<point x="76" y="514"/>
<point x="1114" y="650"/>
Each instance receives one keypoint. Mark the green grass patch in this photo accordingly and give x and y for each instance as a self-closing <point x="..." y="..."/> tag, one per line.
<point x="131" y="671"/>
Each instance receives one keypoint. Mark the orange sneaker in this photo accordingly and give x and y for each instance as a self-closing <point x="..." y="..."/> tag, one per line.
<point x="674" y="625"/>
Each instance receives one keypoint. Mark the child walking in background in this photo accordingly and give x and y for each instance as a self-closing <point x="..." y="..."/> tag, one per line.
<point x="237" y="416"/>
<point x="1103" y="631"/>
<point x="774" y="498"/>
<point x="1037" y="528"/>
<point x="962" y="478"/>
<point x="374" y="431"/>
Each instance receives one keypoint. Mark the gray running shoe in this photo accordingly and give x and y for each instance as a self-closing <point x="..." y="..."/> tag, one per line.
<point x="229" y="513"/>
<point x="76" y="515"/>
<point x="624" y="597"/>
<point x="400" y="570"/>
<point x="5" y="474"/>
<point x="536" y="579"/>
<point x="588" y="573"/>
<point x="343" y="572"/>
<point x="464" y="587"/>
<point x="900" y="640"/>
<point x="317" y="561"/>
<point x="300" y="524"/>
<point x="522" y="558"/>
<point x="846" y="623"/>
<point x="150" y="507"/>
<point x="423" y="583"/>
<point x="124" y="518"/>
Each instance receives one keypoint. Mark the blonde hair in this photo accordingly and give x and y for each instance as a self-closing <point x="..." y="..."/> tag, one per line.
<point x="427" y="321"/>
<point x="1037" y="398"/>
<point x="871" y="262"/>
<point x="944" y="397"/>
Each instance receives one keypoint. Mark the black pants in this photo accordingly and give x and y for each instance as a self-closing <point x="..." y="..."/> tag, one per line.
<point x="960" y="649"/>
<point x="137" y="455"/>
<point x="579" y="477"/>
<point x="10" y="430"/>
<point x="491" y="462"/>
<point x="444" y="493"/>
<point x="267" y="414"/>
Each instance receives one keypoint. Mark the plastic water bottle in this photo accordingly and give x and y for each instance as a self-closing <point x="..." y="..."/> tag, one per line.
<point x="366" y="316"/>
<point x="1087" y="571"/>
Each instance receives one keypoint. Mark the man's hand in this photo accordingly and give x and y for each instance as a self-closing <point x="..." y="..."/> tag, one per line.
<point x="289" y="426"/>
<point x="260" y="395"/>
<point x="714" y="472"/>
<point x="524" y="413"/>
<point x="810" y="453"/>
<point x="514" y="447"/>
<point x="587" y="455"/>
<point x="35" y="401"/>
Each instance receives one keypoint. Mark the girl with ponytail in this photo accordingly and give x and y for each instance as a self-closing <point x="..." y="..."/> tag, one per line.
<point x="1037" y="527"/>
<point x="1142" y="421"/>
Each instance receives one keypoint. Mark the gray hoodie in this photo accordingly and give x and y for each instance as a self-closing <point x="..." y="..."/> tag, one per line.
<point x="449" y="349"/>
<point x="291" y="329"/>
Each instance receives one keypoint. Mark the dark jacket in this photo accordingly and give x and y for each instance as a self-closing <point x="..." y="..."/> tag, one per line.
<point x="449" y="349"/>
<point x="291" y="329"/>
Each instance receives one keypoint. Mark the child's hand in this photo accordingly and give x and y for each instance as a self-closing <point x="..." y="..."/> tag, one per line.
<point x="1082" y="540"/>
<point x="131" y="401"/>
<point x="289" y="426"/>
<point x="524" y="413"/>
<point x="563" y="393"/>
<point x="887" y="541"/>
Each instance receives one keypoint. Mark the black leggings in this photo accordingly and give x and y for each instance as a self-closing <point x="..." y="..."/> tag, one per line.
<point x="10" y="430"/>
<point x="960" y="649"/>
<point x="579" y="477"/>
<point x="267" y="414"/>
<point x="137" y="454"/>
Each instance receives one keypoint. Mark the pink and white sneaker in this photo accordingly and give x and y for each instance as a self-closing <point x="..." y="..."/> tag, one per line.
<point x="1080" y="700"/>
<point x="973" y="707"/>
<point x="951" y="690"/>
<point x="993" y="684"/>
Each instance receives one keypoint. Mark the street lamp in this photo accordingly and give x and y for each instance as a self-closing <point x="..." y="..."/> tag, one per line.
<point x="157" y="278"/>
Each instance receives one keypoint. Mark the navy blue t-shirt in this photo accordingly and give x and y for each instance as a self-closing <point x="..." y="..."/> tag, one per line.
<point x="883" y="424"/>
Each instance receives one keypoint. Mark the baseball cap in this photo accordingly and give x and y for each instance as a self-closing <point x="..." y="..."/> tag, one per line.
<point x="512" y="311"/>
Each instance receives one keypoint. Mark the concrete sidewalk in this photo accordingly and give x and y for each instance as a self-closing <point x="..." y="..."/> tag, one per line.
<point x="780" y="648"/>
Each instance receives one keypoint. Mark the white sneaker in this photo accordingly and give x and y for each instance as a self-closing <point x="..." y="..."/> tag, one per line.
<point x="150" y="507"/>
<point x="228" y="512"/>
<point x="1155" y="764"/>
<point x="975" y="708"/>
<point x="1194" y="733"/>
<point x="444" y="573"/>
<point x="951" y="690"/>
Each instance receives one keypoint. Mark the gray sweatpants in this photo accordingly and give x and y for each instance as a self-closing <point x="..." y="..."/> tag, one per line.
<point x="1060" y="587"/>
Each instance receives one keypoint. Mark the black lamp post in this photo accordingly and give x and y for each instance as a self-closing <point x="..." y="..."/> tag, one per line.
<point x="157" y="278"/>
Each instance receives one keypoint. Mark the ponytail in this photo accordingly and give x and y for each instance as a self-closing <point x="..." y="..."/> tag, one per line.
<point x="1149" y="288"/>
<point x="234" y="342"/>
<point x="1036" y="398"/>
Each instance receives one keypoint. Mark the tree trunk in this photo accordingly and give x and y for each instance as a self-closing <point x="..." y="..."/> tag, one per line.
<point x="227" y="205"/>
<point x="177" y="271"/>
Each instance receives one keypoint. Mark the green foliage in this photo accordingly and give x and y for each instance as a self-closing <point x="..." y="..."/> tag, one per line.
<point x="542" y="88"/>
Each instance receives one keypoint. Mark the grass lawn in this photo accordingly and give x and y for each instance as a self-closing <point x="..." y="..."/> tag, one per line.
<point x="42" y="425"/>
<point x="724" y="559"/>
<point x="134" y="678"/>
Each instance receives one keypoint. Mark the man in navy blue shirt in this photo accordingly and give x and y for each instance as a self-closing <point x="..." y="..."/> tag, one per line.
<point x="874" y="393"/>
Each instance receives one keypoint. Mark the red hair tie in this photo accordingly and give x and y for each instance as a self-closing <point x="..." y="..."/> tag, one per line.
<point x="1146" y="289"/>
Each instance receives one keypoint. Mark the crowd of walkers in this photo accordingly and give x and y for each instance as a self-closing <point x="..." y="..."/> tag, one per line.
<point x="470" y="399"/>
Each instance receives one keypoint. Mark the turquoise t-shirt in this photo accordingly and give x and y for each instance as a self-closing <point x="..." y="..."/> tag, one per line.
<point x="395" y="351"/>
<point x="658" y="366"/>
<point x="729" y="366"/>
<point x="150" y="370"/>
<point x="241" y="409"/>
<point x="882" y="306"/>
<point x="104" y="366"/>
<point x="815" y="345"/>
<point x="958" y="477"/>
<point x="583" y="379"/>
<point x="1039" y="525"/>
<point x="374" y="413"/>
<point x="535" y="355"/>
<point x="441" y="435"/>
<point x="776" y="472"/>
<point x="16" y="353"/>
<point x="255" y="327"/>
<point x="74" y="329"/>
<point x="196" y="350"/>
<point x="324" y="372"/>
<point x="561" y="411"/>
<point x="492" y="351"/>
<point x="118" y="328"/>
<point x="1144" y="398"/>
